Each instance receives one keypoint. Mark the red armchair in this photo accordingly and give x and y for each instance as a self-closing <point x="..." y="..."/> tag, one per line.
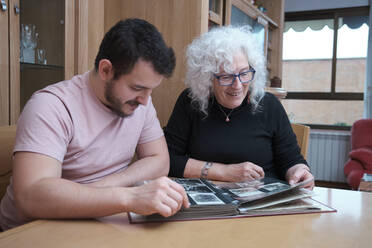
<point x="360" y="157"/>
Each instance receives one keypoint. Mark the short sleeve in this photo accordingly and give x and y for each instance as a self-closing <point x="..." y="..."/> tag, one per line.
<point x="151" y="129"/>
<point x="44" y="127"/>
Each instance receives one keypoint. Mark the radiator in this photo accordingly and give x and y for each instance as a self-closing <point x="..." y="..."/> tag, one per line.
<point x="327" y="154"/>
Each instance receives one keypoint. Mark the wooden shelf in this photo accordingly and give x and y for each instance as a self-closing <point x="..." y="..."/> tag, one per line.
<point x="258" y="13"/>
<point x="214" y="17"/>
<point x="40" y="66"/>
<point x="271" y="21"/>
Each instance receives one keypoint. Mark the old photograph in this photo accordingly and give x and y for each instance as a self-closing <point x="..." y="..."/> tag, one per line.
<point x="273" y="187"/>
<point x="206" y="199"/>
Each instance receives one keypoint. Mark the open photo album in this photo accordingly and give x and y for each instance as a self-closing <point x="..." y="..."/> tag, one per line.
<point x="267" y="196"/>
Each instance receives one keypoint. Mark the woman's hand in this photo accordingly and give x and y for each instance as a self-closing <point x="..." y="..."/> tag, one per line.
<point x="241" y="172"/>
<point x="224" y="172"/>
<point x="299" y="173"/>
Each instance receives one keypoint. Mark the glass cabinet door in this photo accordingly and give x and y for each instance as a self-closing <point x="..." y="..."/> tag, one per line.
<point x="238" y="17"/>
<point x="215" y="13"/>
<point x="266" y="31"/>
<point x="42" y="48"/>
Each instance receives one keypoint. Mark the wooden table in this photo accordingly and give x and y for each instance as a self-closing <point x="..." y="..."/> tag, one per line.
<point x="365" y="186"/>
<point x="350" y="226"/>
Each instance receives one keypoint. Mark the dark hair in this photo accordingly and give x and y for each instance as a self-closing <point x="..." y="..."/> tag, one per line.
<point x="132" y="39"/>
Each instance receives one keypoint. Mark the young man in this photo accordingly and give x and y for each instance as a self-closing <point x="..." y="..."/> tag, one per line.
<point x="75" y="139"/>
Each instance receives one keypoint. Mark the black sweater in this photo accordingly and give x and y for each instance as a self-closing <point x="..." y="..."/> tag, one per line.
<point x="264" y="138"/>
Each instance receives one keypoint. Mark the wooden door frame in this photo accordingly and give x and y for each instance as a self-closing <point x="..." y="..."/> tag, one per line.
<point x="4" y="66"/>
<point x="14" y="62"/>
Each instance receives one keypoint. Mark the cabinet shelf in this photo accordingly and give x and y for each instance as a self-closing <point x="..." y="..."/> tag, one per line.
<point x="39" y="66"/>
<point x="258" y="13"/>
<point x="266" y="26"/>
<point x="214" y="17"/>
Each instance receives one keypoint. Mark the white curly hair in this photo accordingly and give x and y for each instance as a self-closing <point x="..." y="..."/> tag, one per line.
<point x="216" y="49"/>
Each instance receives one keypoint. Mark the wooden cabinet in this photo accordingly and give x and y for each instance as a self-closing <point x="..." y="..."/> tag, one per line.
<point x="265" y="19"/>
<point x="5" y="16"/>
<point x="9" y="58"/>
<point x="50" y="23"/>
<point x="69" y="32"/>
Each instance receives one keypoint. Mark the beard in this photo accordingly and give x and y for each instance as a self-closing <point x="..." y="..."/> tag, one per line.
<point x="116" y="105"/>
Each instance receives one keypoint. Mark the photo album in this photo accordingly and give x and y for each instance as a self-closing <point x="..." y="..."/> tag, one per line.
<point x="213" y="199"/>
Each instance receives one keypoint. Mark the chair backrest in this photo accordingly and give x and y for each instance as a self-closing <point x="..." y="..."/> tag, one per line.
<point x="361" y="134"/>
<point x="7" y="137"/>
<point x="302" y="134"/>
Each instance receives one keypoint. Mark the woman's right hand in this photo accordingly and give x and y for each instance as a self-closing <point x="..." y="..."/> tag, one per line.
<point x="245" y="171"/>
<point x="224" y="172"/>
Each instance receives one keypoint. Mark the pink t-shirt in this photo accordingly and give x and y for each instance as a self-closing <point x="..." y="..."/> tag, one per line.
<point x="66" y="121"/>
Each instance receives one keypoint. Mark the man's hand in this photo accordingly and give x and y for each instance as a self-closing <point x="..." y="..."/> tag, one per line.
<point x="242" y="172"/>
<point x="299" y="173"/>
<point x="162" y="196"/>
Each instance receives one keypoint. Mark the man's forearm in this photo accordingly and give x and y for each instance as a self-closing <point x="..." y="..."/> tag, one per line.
<point x="61" y="198"/>
<point x="153" y="162"/>
<point x="65" y="199"/>
<point x="147" y="168"/>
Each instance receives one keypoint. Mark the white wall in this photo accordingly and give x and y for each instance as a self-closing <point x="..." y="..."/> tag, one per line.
<point x="305" y="5"/>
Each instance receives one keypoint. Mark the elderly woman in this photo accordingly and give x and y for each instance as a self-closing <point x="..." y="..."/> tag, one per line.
<point x="224" y="126"/>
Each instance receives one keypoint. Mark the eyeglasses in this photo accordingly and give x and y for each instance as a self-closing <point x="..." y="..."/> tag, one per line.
<point x="245" y="77"/>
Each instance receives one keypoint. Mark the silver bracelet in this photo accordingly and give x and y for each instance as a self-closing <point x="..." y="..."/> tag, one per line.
<point x="204" y="170"/>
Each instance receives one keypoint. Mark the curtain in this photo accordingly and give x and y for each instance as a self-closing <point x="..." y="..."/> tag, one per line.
<point x="352" y="22"/>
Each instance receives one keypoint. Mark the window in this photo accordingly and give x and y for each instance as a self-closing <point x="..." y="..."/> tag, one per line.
<point x="324" y="66"/>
